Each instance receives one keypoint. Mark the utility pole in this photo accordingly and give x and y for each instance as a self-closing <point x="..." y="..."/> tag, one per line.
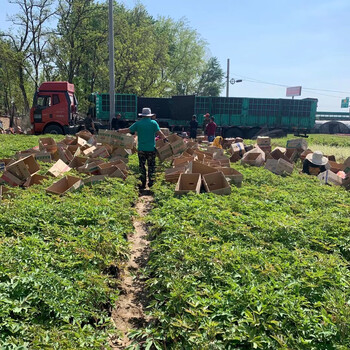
<point x="111" y="65"/>
<point x="228" y="77"/>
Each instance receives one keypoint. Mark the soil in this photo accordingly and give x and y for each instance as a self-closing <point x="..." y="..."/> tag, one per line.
<point x="129" y="312"/>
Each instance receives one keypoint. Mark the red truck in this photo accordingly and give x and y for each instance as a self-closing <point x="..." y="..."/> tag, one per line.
<point x="54" y="108"/>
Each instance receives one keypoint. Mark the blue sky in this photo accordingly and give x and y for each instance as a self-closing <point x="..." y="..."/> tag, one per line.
<point x="282" y="42"/>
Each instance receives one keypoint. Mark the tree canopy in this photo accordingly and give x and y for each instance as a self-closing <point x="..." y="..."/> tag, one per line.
<point x="68" y="40"/>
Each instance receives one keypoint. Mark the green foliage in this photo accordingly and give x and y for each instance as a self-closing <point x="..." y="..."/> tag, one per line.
<point x="263" y="268"/>
<point x="60" y="259"/>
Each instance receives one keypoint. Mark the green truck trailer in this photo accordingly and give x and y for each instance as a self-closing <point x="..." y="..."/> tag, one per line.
<point x="235" y="116"/>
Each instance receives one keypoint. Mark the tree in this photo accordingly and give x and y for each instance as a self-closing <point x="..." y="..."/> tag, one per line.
<point x="28" y="42"/>
<point x="211" y="80"/>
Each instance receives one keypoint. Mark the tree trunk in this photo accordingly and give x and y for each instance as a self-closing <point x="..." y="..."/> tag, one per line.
<point x="23" y="90"/>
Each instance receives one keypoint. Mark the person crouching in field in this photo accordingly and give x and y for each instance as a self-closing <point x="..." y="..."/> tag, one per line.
<point x="146" y="129"/>
<point x="315" y="163"/>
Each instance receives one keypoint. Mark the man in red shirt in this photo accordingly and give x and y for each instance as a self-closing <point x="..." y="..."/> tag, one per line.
<point x="210" y="130"/>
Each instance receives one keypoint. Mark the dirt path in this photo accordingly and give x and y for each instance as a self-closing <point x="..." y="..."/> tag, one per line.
<point x="129" y="310"/>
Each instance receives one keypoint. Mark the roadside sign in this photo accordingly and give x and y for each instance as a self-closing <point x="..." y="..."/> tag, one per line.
<point x="344" y="103"/>
<point x="293" y="91"/>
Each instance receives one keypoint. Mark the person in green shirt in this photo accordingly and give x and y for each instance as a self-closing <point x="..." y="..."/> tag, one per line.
<point x="146" y="130"/>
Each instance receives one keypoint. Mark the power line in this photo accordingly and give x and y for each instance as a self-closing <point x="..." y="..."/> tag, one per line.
<point x="252" y="80"/>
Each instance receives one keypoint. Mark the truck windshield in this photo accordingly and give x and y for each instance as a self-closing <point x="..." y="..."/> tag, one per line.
<point x="43" y="101"/>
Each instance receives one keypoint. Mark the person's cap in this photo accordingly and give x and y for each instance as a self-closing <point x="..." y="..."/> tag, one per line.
<point x="317" y="158"/>
<point x="146" y="112"/>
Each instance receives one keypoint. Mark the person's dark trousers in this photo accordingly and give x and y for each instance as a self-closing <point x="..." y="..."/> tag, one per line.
<point x="150" y="158"/>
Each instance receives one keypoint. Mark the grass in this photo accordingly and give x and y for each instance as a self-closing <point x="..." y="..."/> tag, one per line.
<point x="60" y="260"/>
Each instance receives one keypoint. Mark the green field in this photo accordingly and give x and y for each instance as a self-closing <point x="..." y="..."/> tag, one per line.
<point x="264" y="268"/>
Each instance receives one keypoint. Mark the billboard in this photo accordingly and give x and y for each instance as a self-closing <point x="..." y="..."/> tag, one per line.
<point x="344" y="103"/>
<point x="293" y="91"/>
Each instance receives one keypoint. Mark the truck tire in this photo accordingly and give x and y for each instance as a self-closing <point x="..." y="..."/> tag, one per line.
<point x="53" y="129"/>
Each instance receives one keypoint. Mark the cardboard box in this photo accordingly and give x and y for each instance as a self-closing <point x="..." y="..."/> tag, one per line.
<point x="118" y="173"/>
<point x="24" y="167"/>
<point x="4" y="162"/>
<point x="277" y="153"/>
<point x="84" y="134"/>
<point x="182" y="160"/>
<point x="100" y="152"/>
<point x="74" y="150"/>
<point x="265" y="149"/>
<point x="45" y="157"/>
<point x="70" y="140"/>
<point x="106" y="168"/>
<point x="233" y="176"/>
<point x="263" y="141"/>
<point x="47" y="144"/>
<point x="305" y="153"/>
<point x="94" y="179"/>
<point x="117" y="138"/>
<point x="297" y="143"/>
<point x="188" y="183"/>
<point x="11" y="179"/>
<point x="235" y="158"/>
<point x="89" y="151"/>
<point x="165" y="131"/>
<point x="35" y="179"/>
<point x="77" y="162"/>
<point x="64" y="155"/>
<point x="177" y="144"/>
<point x="64" y="185"/>
<point x="335" y="167"/>
<point x="121" y="152"/>
<point x="59" y="168"/>
<point x="253" y="158"/>
<point x="196" y="167"/>
<point x="279" y="166"/>
<point x="4" y="192"/>
<point x="328" y="177"/>
<point x="216" y="183"/>
<point x="292" y="154"/>
<point x="164" y="150"/>
<point x="172" y="174"/>
<point x="237" y="148"/>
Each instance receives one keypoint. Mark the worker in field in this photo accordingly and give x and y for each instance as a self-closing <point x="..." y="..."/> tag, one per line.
<point x="146" y="130"/>
<point x="206" y="121"/>
<point x="193" y="127"/>
<point x="315" y="163"/>
<point x="117" y="122"/>
<point x="211" y="129"/>
<point x="89" y="123"/>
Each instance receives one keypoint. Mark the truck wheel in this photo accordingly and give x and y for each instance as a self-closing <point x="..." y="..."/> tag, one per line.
<point x="53" y="129"/>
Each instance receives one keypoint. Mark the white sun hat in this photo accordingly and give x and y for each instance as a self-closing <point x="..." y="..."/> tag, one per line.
<point x="317" y="158"/>
<point x="146" y="112"/>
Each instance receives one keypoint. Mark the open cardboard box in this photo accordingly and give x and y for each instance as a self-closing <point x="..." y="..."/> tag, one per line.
<point x="263" y="141"/>
<point x="164" y="150"/>
<point x="297" y="143"/>
<point x="279" y="166"/>
<point x="64" y="185"/>
<point x="94" y="179"/>
<point x="35" y="179"/>
<point x="232" y="175"/>
<point x="328" y="177"/>
<point x="47" y="144"/>
<point x="24" y="167"/>
<point x="196" y="167"/>
<point x="77" y="162"/>
<point x="188" y="183"/>
<point x="216" y="183"/>
<point x="11" y="179"/>
<point x="252" y="158"/>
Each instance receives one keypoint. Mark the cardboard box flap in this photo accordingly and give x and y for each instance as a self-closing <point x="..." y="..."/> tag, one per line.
<point x="64" y="185"/>
<point x="59" y="168"/>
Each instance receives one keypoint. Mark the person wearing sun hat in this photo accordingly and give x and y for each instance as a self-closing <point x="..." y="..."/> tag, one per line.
<point x="315" y="163"/>
<point x="146" y="129"/>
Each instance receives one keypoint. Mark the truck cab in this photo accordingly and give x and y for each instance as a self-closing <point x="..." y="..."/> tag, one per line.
<point x="54" y="108"/>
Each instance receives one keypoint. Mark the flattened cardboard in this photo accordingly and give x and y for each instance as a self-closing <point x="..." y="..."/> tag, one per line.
<point x="188" y="183"/>
<point x="216" y="183"/>
<point x="59" y="168"/>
